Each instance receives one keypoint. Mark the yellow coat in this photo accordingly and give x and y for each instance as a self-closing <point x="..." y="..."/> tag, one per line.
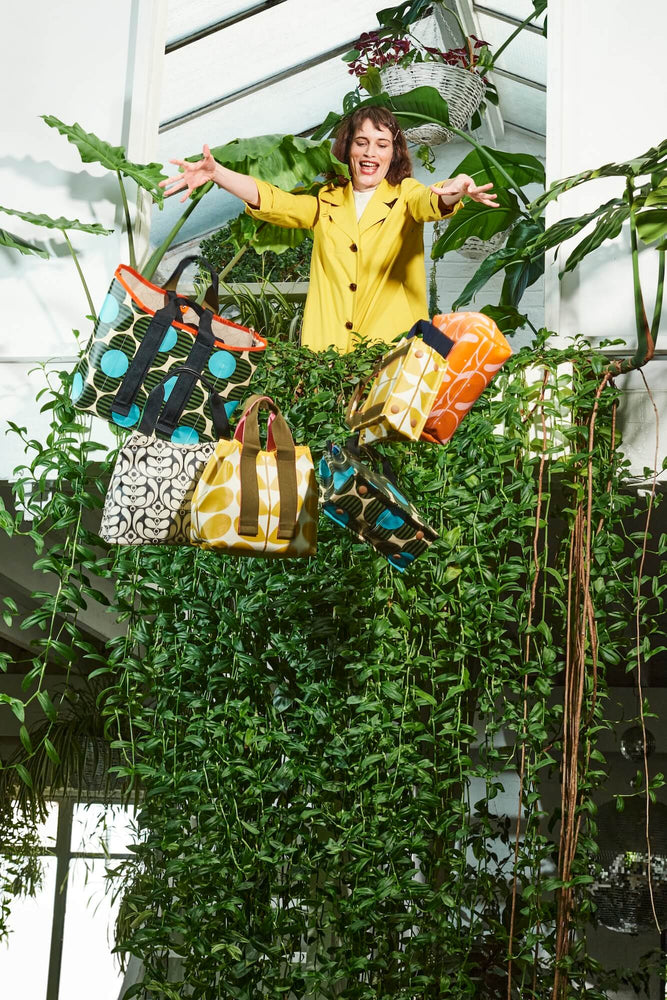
<point x="366" y="277"/>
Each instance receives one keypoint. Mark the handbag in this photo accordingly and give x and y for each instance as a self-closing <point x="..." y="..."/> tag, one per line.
<point x="151" y="486"/>
<point x="371" y="505"/>
<point x="479" y="350"/>
<point x="143" y="332"/>
<point x="405" y="385"/>
<point x="257" y="502"/>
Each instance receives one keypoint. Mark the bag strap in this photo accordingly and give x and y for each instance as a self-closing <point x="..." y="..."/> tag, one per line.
<point x="148" y="348"/>
<point x="432" y="337"/>
<point x="211" y="299"/>
<point x="150" y="419"/>
<point x="200" y="352"/>
<point x="367" y="451"/>
<point x="285" y="463"/>
<point x="360" y="388"/>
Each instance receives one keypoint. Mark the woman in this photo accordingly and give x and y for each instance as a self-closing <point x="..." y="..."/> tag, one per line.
<point x="367" y="273"/>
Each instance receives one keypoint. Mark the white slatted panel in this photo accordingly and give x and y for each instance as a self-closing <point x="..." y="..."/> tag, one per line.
<point x="188" y="16"/>
<point x="525" y="56"/>
<point x="518" y="9"/>
<point x="522" y="105"/>
<point x="258" y="47"/>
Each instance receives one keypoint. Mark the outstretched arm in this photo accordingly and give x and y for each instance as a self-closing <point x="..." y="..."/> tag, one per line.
<point x="193" y="175"/>
<point x="451" y="191"/>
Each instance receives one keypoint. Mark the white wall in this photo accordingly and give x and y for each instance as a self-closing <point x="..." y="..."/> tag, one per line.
<point x="86" y="63"/>
<point x="607" y="92"/>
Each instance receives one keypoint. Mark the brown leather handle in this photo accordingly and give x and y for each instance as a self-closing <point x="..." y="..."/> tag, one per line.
<point x="285" y="464"/>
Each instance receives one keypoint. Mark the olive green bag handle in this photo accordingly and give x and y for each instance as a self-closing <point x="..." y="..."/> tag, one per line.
<point x="285" y="462"/>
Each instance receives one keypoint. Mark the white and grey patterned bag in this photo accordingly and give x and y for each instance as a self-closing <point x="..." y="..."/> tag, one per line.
<point x="151" y="487"/>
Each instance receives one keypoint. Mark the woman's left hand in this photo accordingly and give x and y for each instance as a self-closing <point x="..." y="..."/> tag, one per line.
<point x="453" y="190"/>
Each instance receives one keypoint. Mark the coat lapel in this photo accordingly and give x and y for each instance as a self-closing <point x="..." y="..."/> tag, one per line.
<point x="339" y="202"/>
<point x="379" y="207"/>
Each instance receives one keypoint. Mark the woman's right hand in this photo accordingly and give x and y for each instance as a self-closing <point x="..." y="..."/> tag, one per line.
<point x="192" y="175"/>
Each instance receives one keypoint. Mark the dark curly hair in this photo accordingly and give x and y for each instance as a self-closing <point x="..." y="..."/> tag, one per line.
<point x="401" y="164"/>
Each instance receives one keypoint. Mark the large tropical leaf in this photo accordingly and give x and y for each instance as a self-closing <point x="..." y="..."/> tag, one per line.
<point x="522" y="167"/>
<point x="477" y="220"/>
<point x="94" y="150"/>
<point x="16" y="243"/>
<point x="607" y="228"/>
<point x="527" y="269"/>
<point x="652" y="224"/>
<point x="564" y="229"/>
<point x="284" y="160"/>
<point x="490" y="265"/>
<point x="508" y="319"/>
<point x="59" y="223"/>
<point x="652" y="160"/>
<point x="263" y="236"/>
<point x="417" y="107"/>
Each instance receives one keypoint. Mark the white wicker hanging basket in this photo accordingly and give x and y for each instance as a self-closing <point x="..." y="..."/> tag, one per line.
<point x="462" y="89"/>
<point x="476" y="249"/>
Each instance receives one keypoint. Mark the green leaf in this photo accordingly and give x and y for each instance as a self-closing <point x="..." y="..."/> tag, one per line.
<point x="477" y="220"/>
<point x="490" y="265"/>
<point x="650" y="161"/>
<point x="565" y="229"/>
<point x="608" y="228"/>
<point x="59" y="223"/>
<point x="51" y="752"/>
<point x="17" y="243"/>
<point x="525" y="272"/>
<point x="417" y="107"/>
<point x="285" y="160"/>
<point x="94" y="150"/>
<point x="47" y="705"/>
<point x="652" y="224"/>
<point x="508" y="319"/>
<point x="522" y="167"/>
<point x="24" y="775"/>
<point x="24" y="736"/>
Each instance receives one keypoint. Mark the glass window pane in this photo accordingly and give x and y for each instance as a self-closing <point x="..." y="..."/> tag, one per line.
<point x="88" y="968"/>
<point x="101" y="829"/>
<point x="526" y="56"/>
<point x="24" y="956"/>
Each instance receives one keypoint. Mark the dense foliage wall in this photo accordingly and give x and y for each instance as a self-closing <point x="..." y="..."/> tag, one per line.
<point x="306" y="736"/>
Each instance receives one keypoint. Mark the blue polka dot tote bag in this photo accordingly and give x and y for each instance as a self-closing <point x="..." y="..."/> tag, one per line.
<point x="371" y="505"/>
<point x="145" y="331"/>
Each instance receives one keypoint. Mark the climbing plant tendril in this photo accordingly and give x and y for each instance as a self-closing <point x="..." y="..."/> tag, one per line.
<point x="319" y="747"/>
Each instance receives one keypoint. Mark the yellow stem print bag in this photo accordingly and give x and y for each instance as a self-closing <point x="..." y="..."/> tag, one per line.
<point x="405" y="387"/>
<point x="256" y="502"/>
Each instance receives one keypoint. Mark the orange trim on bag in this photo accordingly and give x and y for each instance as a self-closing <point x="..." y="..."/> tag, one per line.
<point x="184" y="326"/>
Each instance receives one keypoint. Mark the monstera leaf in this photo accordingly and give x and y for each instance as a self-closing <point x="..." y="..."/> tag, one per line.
<point x="94" y="150"/>
<point x="61" y="223"/>
<point x="522" y="167"/>
<point x="477" y="220"/>
<point x="16" y="243"/>
<point x="263" y="236"/>
<point x="521" y="271"/>
<point x="285" y="160"/>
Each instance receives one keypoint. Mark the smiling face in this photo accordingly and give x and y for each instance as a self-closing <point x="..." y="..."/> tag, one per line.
<point x="370" y="155"/>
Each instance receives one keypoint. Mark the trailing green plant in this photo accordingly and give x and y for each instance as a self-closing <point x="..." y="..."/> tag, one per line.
<point x="320" y="745"/>
<point x="292" y="264"/>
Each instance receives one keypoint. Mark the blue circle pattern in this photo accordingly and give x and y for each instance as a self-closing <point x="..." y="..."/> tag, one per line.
<point x="185" y="435"/>
<point x="169" y="339"/>
<point x="222" y="364"/>
<point x="389" y="521"/>
<point x="114" y="363"/>
<point x="230" y="407"/>
<point x="168" y="387"/>
<point x="110" y="309"/>
<point x="77" y="387"/>
<point x="128" y="421"/>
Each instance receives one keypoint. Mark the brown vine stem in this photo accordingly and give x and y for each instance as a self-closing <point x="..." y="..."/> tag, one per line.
<point x="582" y="621"/>
<point x="531" y="608"/>
<point x="640" y="693"/>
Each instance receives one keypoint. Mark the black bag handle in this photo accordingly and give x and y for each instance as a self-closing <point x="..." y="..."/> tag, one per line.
<point x="211" y="297"/>
<point x="148" y="348"/>
<point x="368" y="451"/>
<point x="432" y="337"/>
<point x="150" y="419"/>
<point x="200" y="352"/>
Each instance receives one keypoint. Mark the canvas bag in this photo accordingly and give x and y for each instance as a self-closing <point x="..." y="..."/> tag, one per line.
<point x="371" y="505"/>
<point x="405" y="385"/>
<point x="256" y="502"/>
<point x="150" y="491"/>
<point x="479" y="351"/>
<point x="143" y="331"/>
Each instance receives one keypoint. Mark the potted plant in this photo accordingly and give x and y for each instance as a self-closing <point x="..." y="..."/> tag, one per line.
<point x="396" y="62"/>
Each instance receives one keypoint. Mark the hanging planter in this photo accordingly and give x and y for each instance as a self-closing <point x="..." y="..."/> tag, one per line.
<point x="462" y="89"/>
<point x="476" y="249"/>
